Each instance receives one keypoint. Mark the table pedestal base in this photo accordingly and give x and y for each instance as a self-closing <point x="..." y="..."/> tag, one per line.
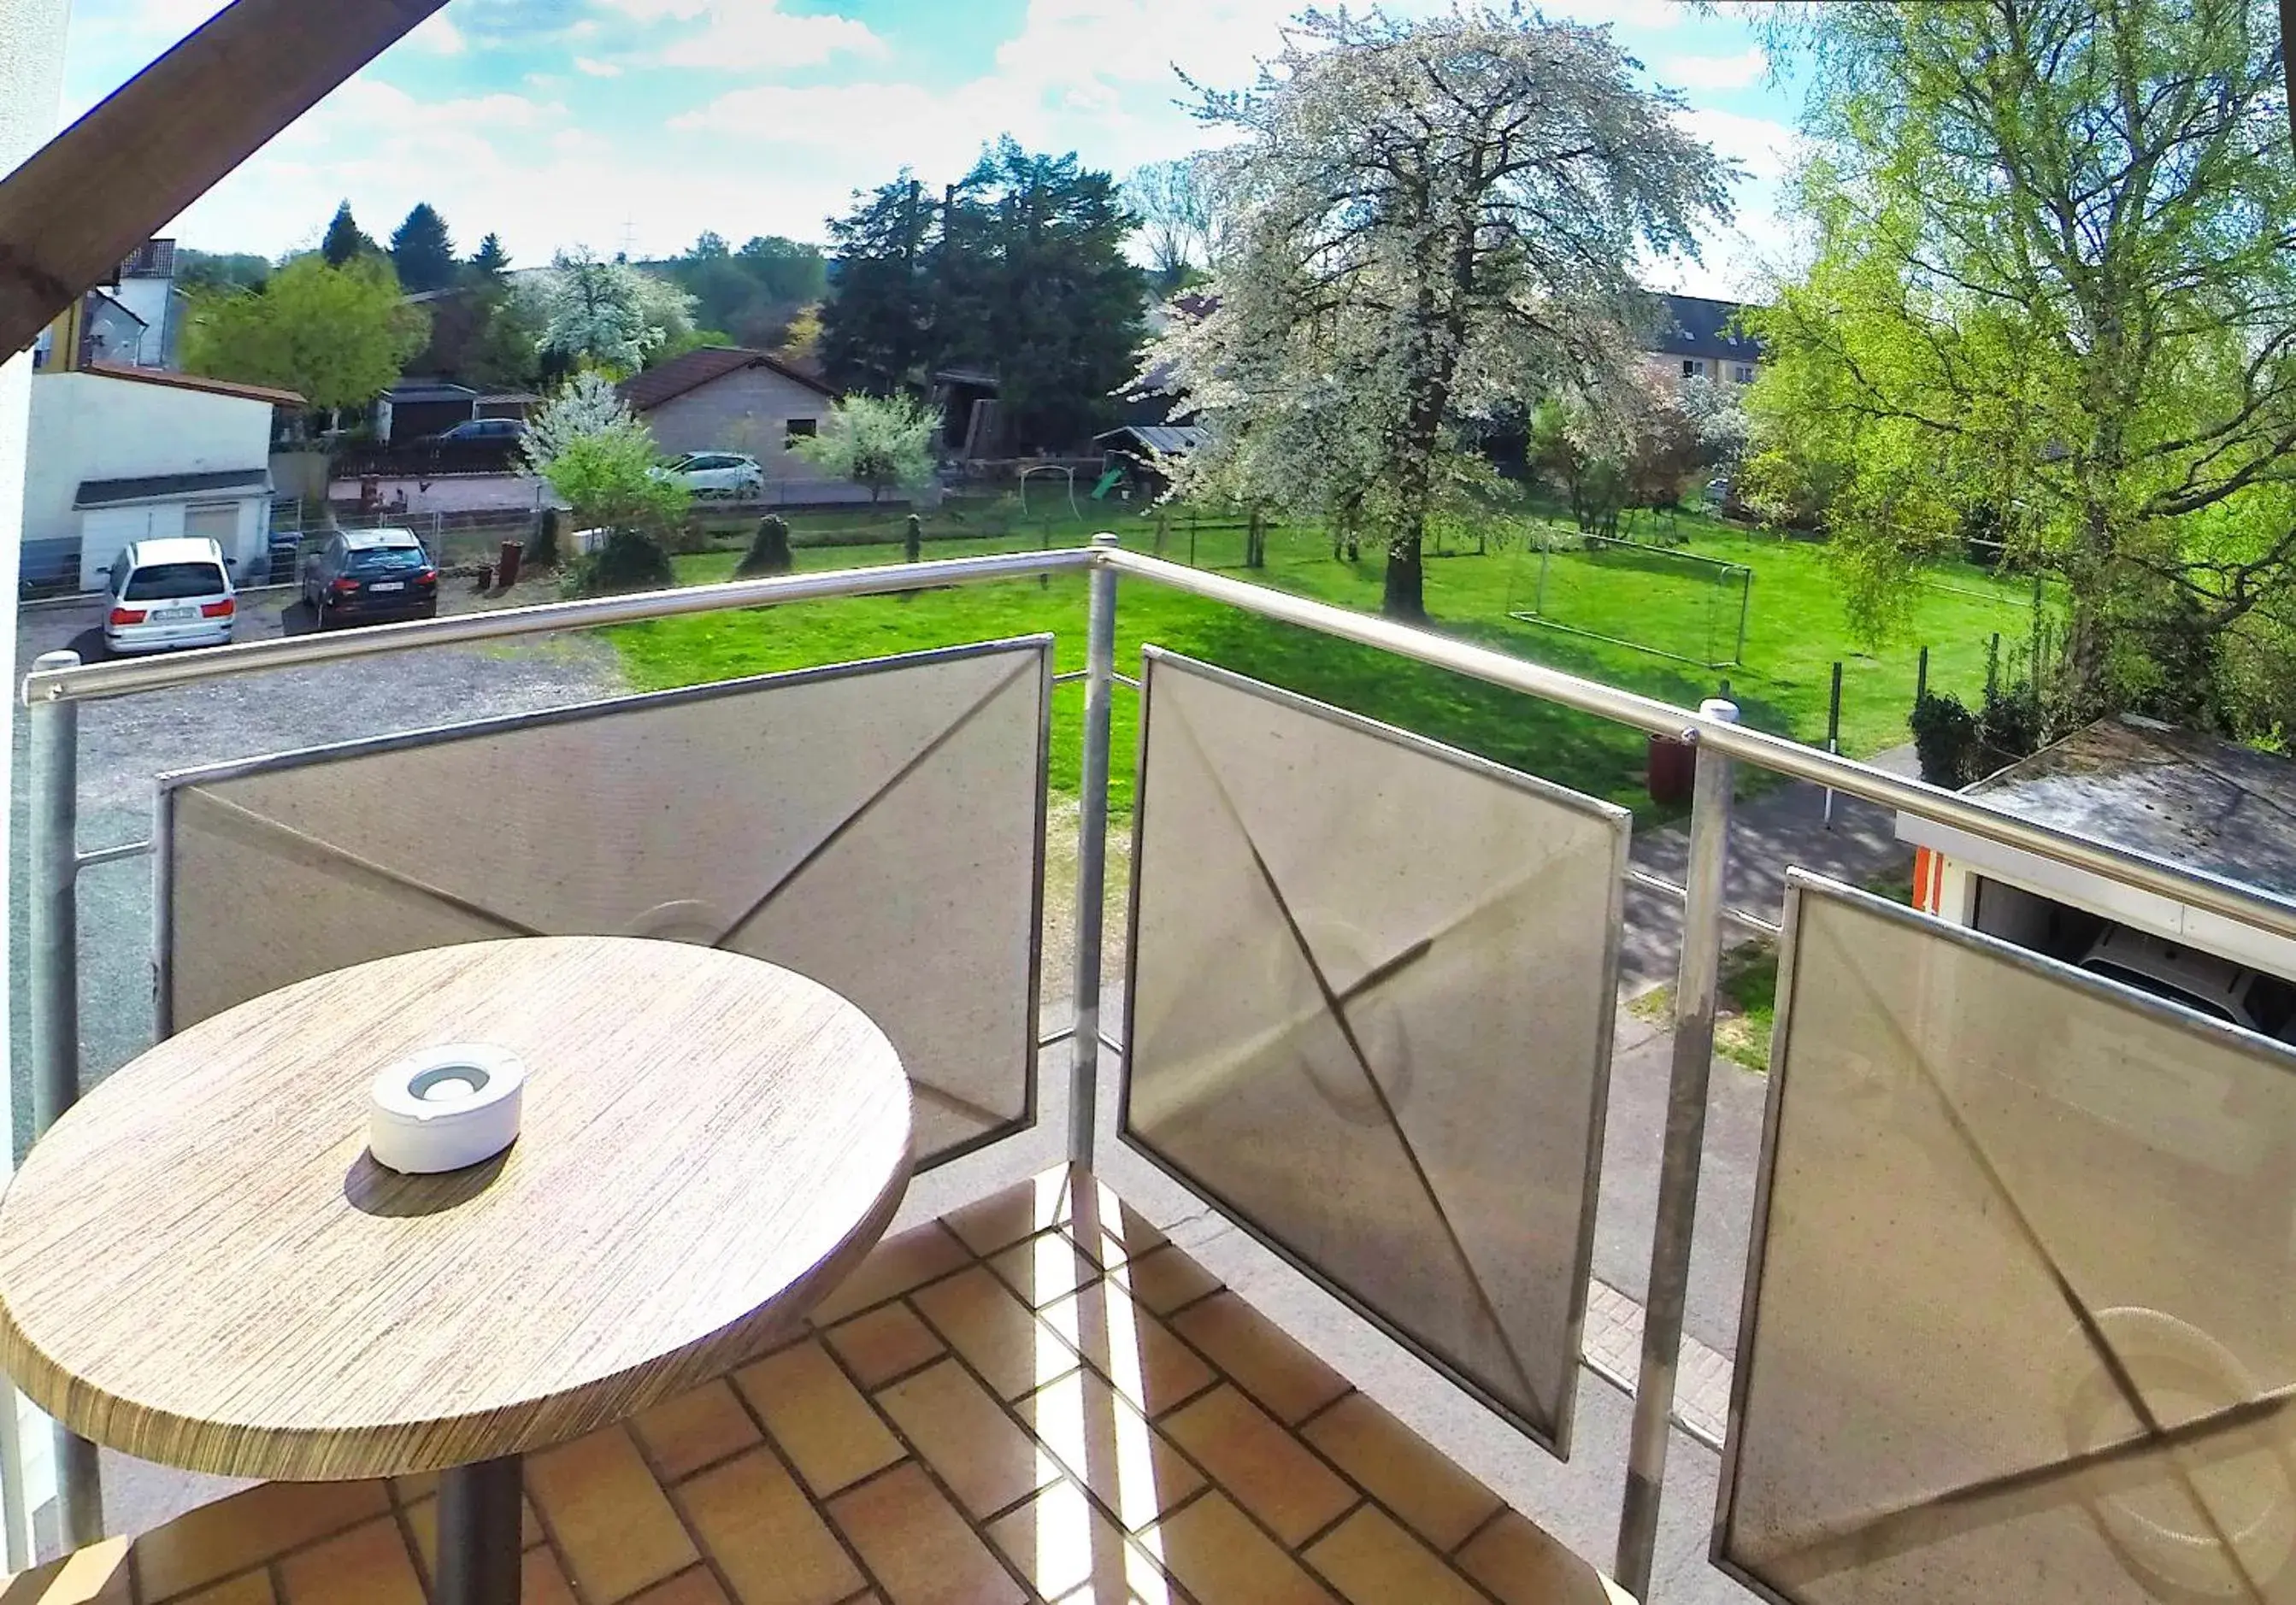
<point x="479" y="1521"/>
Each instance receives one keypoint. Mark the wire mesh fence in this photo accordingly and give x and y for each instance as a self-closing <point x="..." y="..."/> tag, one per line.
<point x="1656" y="598"/>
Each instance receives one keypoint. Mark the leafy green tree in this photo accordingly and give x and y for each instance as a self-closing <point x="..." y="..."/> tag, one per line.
<point x="2053" y="285"/>
<point x="423" y="252"/>
<point x="491" y="259"/>
<point x="1018" y="270"/>
<point x="231" y="270"/>
<point x="602" y="460"/>
<point x="882" y="442"/>
<point x="346" y="241"/>
<point x="1034" y="286"/>
<point x="1427" y="220"/>
<point x="341" y="336"/>
<point x="876" y="329"/>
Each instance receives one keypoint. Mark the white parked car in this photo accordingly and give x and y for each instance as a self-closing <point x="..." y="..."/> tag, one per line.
<point x="719" y="474"/>
<point x="169" y="593"/>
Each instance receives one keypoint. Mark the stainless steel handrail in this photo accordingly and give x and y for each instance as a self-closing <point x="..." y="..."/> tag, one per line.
<point x="1777" y="754"/>
<point x="128" y="677"/>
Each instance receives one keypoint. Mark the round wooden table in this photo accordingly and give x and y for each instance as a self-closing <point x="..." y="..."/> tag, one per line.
<point x="203" y="1265"/>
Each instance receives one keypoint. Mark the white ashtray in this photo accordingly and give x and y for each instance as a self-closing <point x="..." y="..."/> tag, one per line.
<point x="447" y="1107"/>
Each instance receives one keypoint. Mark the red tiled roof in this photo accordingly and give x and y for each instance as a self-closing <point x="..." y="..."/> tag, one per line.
<point x="680" y="374"/>
<point x="194" y="381"/>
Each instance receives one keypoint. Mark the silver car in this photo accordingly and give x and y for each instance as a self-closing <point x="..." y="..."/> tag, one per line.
<point x="170" y="593"/>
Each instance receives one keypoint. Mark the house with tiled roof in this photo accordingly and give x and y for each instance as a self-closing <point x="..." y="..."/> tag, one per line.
<point x="726" y="398"/>
<point x="1699" y="336"/>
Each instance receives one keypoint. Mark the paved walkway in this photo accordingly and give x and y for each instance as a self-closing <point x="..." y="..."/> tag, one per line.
<point x="1783" y="827"/>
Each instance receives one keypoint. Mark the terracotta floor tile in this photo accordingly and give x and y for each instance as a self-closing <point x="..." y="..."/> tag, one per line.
<point x="696" y="1587"/>
<point x="1109" y="1447"/>
<point x="771" y="1543"/>
<point x="1129" y="1347"/>
<point x="1372" y="1560"/>
<point x="919" y="1547"/>
<point x="247" y="1588"/>
<point x="1108" y="1230"/>
<point x="1262" y="1467"/>
<point x="1021" y="1210"/>
<point x="1286" y="1378"/>
<point x="818" y="1418"/>
<point x="996" y="1332"/>
<point x="1219" y="1557"/>
<point x="542" y="1581"/>
<point x="882" y="1344"/>
<point x="367" y="1566"/>
<point x="214" y="1541"/>
<point x="423" y="1517"/>
<point x="97" y="1574"/>
<point x="1436" y="1499"/>
<point x="613" y="1526"/>
<point x="1166" y="1280"/>
<point x="1044" y="1270"/>
<point x="896" y="1264"/>
<point x="1063" y="1544"/>
<point x="695" y="1430"/>
<point x="1519" y="1563"/>
<point x="966" y="1438"/>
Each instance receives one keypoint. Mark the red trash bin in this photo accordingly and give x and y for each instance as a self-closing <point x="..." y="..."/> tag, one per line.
<point x="1673" y="770"/>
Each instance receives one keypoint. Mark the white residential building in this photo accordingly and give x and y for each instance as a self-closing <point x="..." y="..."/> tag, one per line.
<point x="118" y="453"/>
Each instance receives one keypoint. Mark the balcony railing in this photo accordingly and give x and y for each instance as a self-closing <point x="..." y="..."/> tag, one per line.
<point x="2015" y="1320"/>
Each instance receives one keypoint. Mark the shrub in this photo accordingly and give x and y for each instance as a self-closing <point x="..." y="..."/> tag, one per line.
<point x="1945" y="738"/>
<point x="769" y="551"/>
<point x="629" y="561"/>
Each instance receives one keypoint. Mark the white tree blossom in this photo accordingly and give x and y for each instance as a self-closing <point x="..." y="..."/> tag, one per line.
<point x="587" y="406"/>
<point x="608" y="314"/>
<point x="1425" y="219"/>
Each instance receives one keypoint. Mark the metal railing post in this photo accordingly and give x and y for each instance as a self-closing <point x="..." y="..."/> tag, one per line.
<point x="1685" y="1134"/>
<point x="1092" y="859"/>
<point x="53" y="968"/>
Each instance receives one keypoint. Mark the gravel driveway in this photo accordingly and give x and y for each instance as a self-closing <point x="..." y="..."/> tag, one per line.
<point x="124" y="744"/>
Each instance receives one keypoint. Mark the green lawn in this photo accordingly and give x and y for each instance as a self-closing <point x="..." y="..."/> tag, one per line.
<point x="1796" y="632"/>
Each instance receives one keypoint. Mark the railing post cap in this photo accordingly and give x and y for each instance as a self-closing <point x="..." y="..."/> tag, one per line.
<point x="1105" y="542"/>
<point x="50" y="663"/>
<point x="1718" y="709"/>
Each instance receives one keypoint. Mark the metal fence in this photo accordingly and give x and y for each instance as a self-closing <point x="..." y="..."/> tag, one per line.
<point x="1904" y="1048"/>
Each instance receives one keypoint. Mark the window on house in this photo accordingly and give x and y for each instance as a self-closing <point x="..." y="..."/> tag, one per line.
<point x="1743" y="373"/>
<point x="1690" y="367"/>
<point x="801" y="428"/>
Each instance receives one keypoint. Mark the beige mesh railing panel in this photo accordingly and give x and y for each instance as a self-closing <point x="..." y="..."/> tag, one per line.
<point x="2022" y="1319"/>
<point x="878" y="827"/>
<point x="1373" y="983"/>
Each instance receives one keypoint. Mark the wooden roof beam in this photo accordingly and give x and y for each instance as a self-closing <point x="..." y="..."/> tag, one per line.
<point x="77" y="209"/>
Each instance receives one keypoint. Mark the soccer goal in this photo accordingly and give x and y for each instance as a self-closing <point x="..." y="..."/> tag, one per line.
<point x="1673" y="604"/>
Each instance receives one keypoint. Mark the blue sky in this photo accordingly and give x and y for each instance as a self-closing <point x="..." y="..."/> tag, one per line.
<point x="641" y="123"/>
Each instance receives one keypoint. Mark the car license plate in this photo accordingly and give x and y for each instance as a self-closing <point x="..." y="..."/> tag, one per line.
<point x="388" y="585"/>
<point x="173" y="615"/>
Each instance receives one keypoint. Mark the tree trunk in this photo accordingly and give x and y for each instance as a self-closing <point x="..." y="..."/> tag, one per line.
<point x="1406" y="596"/>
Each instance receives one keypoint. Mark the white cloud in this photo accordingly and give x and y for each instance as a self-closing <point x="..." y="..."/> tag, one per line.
<point x="747" y="36"/>
<point x="437" y="34"/>
<point x="1765" y="149"/>
<point x="1740" y="71"/>
<point x="595" y="68"/>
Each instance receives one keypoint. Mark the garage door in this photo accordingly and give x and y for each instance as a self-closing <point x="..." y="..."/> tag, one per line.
<point x="104" y="532"/>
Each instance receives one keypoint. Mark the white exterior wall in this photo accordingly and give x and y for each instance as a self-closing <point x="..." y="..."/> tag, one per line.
<point x="87" y="427"/>
<point x="1963" y="857"/>
<point x="748" y="412"/>
<point x="106" y="531"/>
<point x="154" y="301"/>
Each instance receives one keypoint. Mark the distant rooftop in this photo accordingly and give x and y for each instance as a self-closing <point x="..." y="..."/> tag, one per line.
<point x="657" y="386"/>
<point x="2196" y="801"/>
<point x="1695" y="326"/>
